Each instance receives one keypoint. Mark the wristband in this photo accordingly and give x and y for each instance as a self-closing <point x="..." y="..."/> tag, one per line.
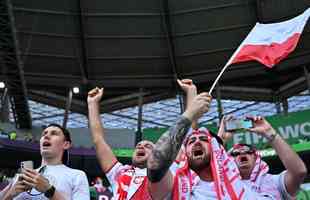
<point x="50" y="192"/>
<point x="270" y="135"/>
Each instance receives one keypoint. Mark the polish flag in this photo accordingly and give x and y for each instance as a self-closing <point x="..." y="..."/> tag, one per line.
<point x="270" y="43"/>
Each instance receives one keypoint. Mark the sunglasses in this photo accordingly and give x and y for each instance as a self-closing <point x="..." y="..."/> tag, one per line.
<point x="238" y="153"/>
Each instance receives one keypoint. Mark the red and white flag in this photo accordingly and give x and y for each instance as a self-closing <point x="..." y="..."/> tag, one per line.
<point x="270" y="43"/>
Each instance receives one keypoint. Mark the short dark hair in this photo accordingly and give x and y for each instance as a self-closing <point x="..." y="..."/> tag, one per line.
<point x="64" y="131"/>
<point x="65" y="156"/>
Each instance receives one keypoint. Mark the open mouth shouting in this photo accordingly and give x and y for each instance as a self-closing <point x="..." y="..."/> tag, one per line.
<point x="243" y="160"/>
<point x="198" y="153"/>
<point x="140" y="153"/>
<point x="46" y="144"/>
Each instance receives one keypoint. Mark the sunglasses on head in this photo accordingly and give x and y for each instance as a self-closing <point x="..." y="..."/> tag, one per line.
<point x="238" y="153"/>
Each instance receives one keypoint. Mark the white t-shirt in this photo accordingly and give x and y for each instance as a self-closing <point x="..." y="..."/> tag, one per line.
<point x="72" y="184"/>
<point x="206" y="190"/>
<point x="269" y="183"/>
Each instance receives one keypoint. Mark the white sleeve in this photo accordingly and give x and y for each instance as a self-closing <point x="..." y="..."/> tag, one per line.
<point x="114" y="172"/>
<point x="81" y="187"/>
<point x="280" y="182"/>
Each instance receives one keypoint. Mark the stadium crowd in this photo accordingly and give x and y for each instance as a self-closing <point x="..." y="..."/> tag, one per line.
<point x="187" y="162"/>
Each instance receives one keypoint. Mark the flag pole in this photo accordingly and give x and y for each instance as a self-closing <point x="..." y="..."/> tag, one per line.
<point x="301" y="21"/>
<point x="229" y="62"/>
<point x="217" y="78"/>
<point x="224" y="68"/>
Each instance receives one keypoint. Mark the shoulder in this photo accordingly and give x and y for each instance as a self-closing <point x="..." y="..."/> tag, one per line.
<point x="120" y="168"/>
<point x="266" y="181"/>
<point x="279" y="181"/>
<point x="274" y="177"/>
<point x="117" y="170"/>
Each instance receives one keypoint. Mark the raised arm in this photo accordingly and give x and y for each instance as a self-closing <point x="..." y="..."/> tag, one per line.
<point x="104" y="152"/>
<point x="168" y="146"/>
<point x="222" y="133"/>
<point x="296" y="169"/>
<point x="190" y="89"/>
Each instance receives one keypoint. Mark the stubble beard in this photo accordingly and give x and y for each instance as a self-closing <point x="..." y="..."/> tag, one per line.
<point x="140" y="165"/>
<point x="198" y="165"/>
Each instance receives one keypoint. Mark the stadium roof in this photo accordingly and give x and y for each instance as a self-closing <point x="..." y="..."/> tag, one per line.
<point x="164" y="113"/>
<point x="138" y="48"/>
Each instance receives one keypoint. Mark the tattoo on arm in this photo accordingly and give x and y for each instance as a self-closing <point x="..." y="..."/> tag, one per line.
<point x="166" y="150"/>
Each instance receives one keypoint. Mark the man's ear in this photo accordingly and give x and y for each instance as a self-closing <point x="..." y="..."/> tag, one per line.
<point x="67" y="145"/>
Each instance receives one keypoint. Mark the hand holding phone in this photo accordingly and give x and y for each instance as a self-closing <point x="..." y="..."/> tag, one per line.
<point x="238" y="124"/>
<point x="26" y="164"/>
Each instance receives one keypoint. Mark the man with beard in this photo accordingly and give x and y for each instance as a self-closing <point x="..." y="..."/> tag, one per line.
<point x="254" y="171"/>
<point x="209" y="173"/>
<point x="130" y="181"/>
<point x="53" y="180"/>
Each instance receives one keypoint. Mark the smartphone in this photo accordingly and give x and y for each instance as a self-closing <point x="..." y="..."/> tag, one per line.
<point x="26" y="164"/>
<point x="238" y="124"/>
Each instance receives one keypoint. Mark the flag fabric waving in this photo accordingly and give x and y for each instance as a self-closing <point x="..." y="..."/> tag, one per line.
<point x="270" y="43"/>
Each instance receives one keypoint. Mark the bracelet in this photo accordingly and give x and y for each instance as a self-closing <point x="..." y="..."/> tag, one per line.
<point x="50" y="192"/>
<point x="270" y="136"/>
